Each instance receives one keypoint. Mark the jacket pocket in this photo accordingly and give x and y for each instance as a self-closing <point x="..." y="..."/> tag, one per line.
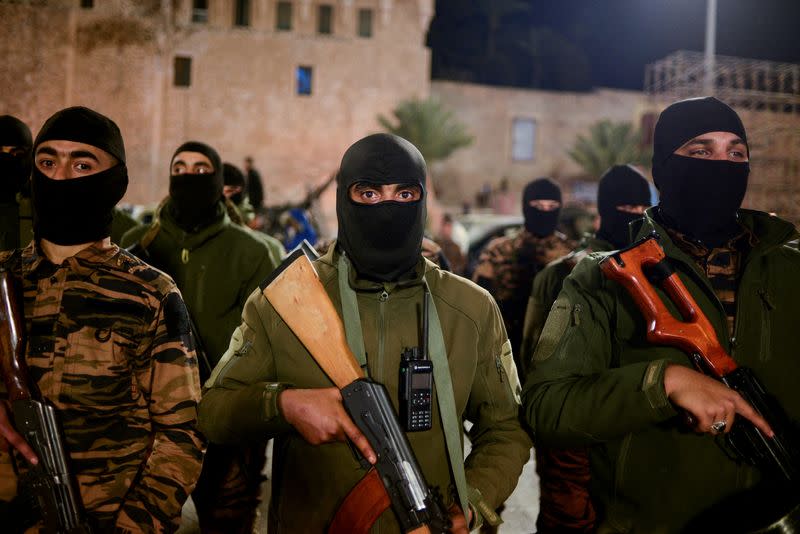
<point x="96" y="371"/>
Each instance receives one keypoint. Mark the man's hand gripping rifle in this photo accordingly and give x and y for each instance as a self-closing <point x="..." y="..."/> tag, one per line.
<point x="644" y="265"/>
<point x="49" y="481"/>
<point x="296" y="293"/>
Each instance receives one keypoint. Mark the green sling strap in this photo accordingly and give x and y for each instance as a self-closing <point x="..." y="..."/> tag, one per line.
<point x="451" y="423"/>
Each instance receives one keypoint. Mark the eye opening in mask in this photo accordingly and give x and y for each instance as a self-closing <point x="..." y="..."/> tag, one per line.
<point x="544" y="204"/>
<point x="366" y="192"/>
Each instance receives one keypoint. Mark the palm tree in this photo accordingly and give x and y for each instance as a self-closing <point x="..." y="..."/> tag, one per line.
<point x="429" y="126"/>
<point x="609" y="143"/>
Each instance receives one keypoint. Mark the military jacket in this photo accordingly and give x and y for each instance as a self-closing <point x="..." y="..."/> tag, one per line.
<point x="120" y="224"/>
<point x="108" y="344"/>
<point x="597" y="381"/>
<point x="546" y="286"/>
<point x="506" y="268"/>
<point x="216" y="269"/>
<point x="309" y="482"/>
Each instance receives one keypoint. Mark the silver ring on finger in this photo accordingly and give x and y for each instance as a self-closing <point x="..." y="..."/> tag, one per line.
<point x="719" y="426"/>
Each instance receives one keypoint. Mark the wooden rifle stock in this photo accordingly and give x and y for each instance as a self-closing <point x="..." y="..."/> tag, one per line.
<point x="643" y="264"/>
<point x="694" y="334"/>
<point x="297" y="294"/>
<point x="12" y="340"/>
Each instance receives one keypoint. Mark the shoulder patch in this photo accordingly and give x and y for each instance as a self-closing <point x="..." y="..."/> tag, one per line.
<point x="176" y="316"/>
<point x="554" y="328"/>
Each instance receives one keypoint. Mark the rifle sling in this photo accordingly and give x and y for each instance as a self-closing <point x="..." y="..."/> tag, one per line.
<point x="451" y="423"/>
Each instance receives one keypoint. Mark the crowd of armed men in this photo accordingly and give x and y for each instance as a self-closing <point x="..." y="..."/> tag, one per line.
<point x="651" y="366"/>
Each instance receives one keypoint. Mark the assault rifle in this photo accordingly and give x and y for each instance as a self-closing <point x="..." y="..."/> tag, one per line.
<point x="49" y="482"/>
<point x="643" y="265"/>
<point x="297" y="294"/>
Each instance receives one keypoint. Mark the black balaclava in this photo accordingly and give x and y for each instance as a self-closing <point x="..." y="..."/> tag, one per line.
<point x="620" y="185"/>
<point x="384" y="240"/>
<point x="698" y="196"/>
<point x="14" y="170"/>
<point x="540" y="223"/>
<point x="233" y="176"/>
<point x="195" y="196"/>
<point x="79" y="210"/>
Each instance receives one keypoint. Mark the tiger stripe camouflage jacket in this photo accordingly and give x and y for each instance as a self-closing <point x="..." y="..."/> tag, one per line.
<point x="108" y="343"/>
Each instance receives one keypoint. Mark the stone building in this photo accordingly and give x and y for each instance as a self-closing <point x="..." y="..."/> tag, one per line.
<point x="522" y="134"/>
<point x="291" y="83"/>
<point x="294" y="82"/>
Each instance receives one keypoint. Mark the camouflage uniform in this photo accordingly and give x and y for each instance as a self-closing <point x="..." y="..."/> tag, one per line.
<point x="722" y="265"/>
<point x="506" y="268"/>
<point x="564" y="474"/>
<point x="109" y="346"/>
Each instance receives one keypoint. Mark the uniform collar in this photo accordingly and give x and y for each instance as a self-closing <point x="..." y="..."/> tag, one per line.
<point x="414" y="278"/>
<point x="35" y="260"/>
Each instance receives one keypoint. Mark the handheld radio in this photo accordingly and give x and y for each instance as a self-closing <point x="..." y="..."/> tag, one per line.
<point x="416" y="380"/>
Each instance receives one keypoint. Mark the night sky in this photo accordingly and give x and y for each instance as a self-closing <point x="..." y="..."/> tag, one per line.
<point x="600" y="43"/>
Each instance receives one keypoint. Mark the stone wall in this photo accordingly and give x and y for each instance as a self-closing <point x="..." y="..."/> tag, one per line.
<point x="489" y="113"/>
<point x="118" y="58"/>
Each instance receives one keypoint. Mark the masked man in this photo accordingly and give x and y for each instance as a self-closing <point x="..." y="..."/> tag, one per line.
<point x="108" y="341"/>
<point x="564" y="503"/>
<point x="272" y="384"/>
<point x="596" y="381"/>
<point x="508" y="264"/>
<point x="16" y="220"/>
<point x="216" y="265"/>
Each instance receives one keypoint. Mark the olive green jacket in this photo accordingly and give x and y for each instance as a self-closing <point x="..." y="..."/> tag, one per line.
<point x="309" y="482"/>
<point x="121" y="224"/>
<point x="239" y="216"/>
<point x="596" y="381"/>
<point x="215" y="268"/>
<point x="546" y="286"/>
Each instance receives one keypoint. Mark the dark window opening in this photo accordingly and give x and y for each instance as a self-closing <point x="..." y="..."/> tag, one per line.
<point x="365" y="23"/>
<point x="200" y="11"/>
<point x="325" y="19"/>
<point x="283" y="20"/>
<point x="242" y="15"/>
<point x="183" y="71"/>
<point x="304" y="79"/>
<point x="87" y="4"/>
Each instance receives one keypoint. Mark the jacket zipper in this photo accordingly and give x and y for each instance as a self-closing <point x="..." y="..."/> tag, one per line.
<point x="499" y="364"/>
<point x="384" y="296"/>
<point x="576" y="315"/>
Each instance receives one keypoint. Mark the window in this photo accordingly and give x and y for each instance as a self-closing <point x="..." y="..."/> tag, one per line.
<point x="87" y="4"/>
<point x="283" y="20"/>
<point x="523" y="140"/>
<point x="199" y="10"/>
<point x="304" y="78"/>
<point x="242" y="15"/>
<point x="183" y="71"/>
<point x="365" y="23"/>
<point x="324" y="19"/>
